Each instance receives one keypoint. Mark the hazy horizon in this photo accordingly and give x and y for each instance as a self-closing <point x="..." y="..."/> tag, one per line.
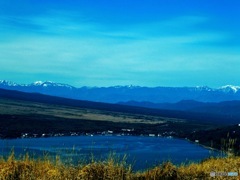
<point x="106" y="43"/>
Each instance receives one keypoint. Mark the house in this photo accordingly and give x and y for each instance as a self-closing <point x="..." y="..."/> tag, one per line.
<point x="151" y="135"/>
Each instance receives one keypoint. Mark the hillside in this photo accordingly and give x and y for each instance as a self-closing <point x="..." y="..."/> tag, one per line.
<point x="53" y="100"/>
<point x="36" y="115"/>
<point x="32" y="115"/>
<point x="229" y="109"/>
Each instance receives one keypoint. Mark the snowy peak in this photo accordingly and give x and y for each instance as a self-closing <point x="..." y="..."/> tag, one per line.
<point x="230" y="88"/>
<point x="7" y="83"/>
<point x="49" y="84"/>
<point x="37" y="83"/>
<point x="4" y="83"/>
<point x="44" y="84"/>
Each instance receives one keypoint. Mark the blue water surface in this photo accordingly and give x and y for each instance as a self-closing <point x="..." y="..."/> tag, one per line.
<point x="142" y="152"/>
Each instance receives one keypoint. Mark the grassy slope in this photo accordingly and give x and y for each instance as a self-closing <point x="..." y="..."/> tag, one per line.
<point x="13" y="107"/>
<point x="51" y="100"/>
<point x="112" y="168"/>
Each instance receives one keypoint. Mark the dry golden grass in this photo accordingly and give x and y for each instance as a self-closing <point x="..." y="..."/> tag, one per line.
<point x="113" y="168"/>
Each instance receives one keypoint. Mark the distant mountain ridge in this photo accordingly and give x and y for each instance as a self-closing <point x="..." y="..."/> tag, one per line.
<point x="115" y="94"/>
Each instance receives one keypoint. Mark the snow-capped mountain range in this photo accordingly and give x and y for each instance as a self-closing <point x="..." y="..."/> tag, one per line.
<point x="115" y="94"/>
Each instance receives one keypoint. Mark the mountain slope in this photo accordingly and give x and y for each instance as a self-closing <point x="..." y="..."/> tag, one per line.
<point x="34" y="115"/>
<point x="187" y="115"/>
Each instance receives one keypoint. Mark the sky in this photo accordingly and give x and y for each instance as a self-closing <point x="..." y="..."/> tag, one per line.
<point x="121" y="42"/>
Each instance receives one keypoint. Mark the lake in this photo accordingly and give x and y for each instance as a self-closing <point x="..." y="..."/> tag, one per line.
<point x="142" y="152"/>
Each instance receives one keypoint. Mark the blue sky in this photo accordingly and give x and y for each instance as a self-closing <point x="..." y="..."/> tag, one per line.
<point x="121" y="42"/>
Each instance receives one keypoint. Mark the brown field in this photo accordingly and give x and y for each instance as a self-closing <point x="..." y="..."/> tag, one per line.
<point x="26" y="108"/>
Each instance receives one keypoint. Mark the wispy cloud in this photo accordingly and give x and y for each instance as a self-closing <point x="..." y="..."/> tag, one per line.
<point x="68" y="44"/>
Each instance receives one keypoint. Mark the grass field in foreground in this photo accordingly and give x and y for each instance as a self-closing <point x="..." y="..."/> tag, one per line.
<point x="113" y="168"/>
